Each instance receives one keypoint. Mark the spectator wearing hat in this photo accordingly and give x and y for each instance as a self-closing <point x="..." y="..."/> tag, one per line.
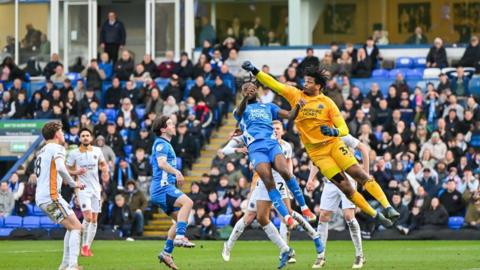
<point x="137" y="203"/>
<point x="72" y="136"/>
<point x="107" y="151"/>
<point x="452" y="200"/>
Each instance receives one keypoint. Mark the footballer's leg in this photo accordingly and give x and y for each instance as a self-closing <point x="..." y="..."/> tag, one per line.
<point x="184" y="204"/>
<point x="237" y="231"/>
<point x="280" y="165"/>
<point x="354" y="228"/>
<point x="87" y="219"/>
<point x="166" y="255"/>
<point x="92" y="232"/>
<point x="369" y="183"/>
<point x="264" y="170"/>
<point x="74" y="228"/>
<point x="263" y="217"/>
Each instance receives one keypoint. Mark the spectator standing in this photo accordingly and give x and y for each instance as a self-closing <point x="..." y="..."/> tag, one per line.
<point x="260" y="31"/>
<point x="372" y="52"/>
<point x="112" y="36"/>
<point x="310" y="60"/>
<point x="207" y="32"/>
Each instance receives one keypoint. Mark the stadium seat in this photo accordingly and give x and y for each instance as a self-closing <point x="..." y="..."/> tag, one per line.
<point x="37" y="211"/>
<point x="423" y="84"/>
<point x="73" y="76"/>
<point x="475" y="86"/>
<point x="162" y="83"/>
<point x="111" y="114"/>
<point x="404" y="62"/>
<point x="384" y="85"/>
<point x="46" y="222"/>
<point x="416" y="73"/>
<point x="30" y="209"/>
<point x="37" y="85"/>
<point x="380" y="73"/>
<point x="128" y="149"/>
<point x="188" y="87"/>
<point x="4" y="232"/>
<point x="419" y="62"/>
<point x="223" y="220"/>
<point x="13" y="222"/>
<point x="2" y="221"/>
<point x="31" y="222"/>
<point x="448" y="70"/>
<point x="140" y="112"/>
<point x="455" y="222"/>
<point x="179" y="163"/>
<point x="393" y="73"/>
<point x="431" y="73"/>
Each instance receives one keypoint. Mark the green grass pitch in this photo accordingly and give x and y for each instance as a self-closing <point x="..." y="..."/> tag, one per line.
<point x="142" y="255"/>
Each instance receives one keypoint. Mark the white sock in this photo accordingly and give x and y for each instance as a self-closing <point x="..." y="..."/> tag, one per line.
<point x="284" y="232"/>
<point x="323" y="231"/>
<point x="92" y="230"/>
<point x="236" y="232"/>
<point x="66" y="243"/>
<point x="274" y="236"/>
<point x="85" y="232"/>
<point x="74" y="248"/>
<point x="354" y="229"/>
<point x="305" y="225"/>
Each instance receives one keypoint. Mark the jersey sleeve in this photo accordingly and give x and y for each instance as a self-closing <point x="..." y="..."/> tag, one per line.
<point x="337" y="118"/>
<point x="70" y="161"/>
<point x="101" y="158"/>
<point x="59" y="153"/>
<point x="290" y="93"/>
<point x="237" y="117"/>
<point x="235" y="142"/>
<point x="350" y="141"/>
<point x="274" y="110"/>
<point x="161" y="150"/>
<point x="288" y="150"/>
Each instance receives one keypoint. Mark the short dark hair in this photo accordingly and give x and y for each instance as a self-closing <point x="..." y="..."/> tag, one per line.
<point x="320" y="75"/>
<point x="309" y="49"/>
<point x="159" y="123"/>
<point x="50" y="128"/>
<point x="85" y="129"/>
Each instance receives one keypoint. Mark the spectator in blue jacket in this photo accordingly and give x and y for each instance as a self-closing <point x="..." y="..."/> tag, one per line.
<point x="459" y="82"/>
<point x="106" y="65"/>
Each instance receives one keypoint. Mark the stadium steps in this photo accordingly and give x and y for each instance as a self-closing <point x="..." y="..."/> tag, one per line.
<point x="160" y="224"/>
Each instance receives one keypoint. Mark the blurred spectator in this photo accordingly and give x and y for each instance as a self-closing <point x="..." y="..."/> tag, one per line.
<point x="460" y="83"/>
<point x="114" y="140"/>
<point x="33" y="67"/>
<point x="437" y="55"/>
<point x="154" y="102"/>
<point x="184" y="145"/>
<point x="124" y="67"/>
<point x="334" y="92"/>
<point x="112" y="36"/>
<point x="206" y="186"/>
<point x="436" y="215"/>
<point x="107" y="151"/>
<point x="401" y="208"/>
<point x="80" y="90"/>
<point x="121" y="216"/>
<point x="472" y="199"/>
<point x="452" y="200"/>
<point x="113" y="94"/>
<point x="45" y="112"/>
<point x="7" y="106"/>
<point x="207" y="229"/>
<point x="195" y="194"/>
<point x="167" y="67"/>
<point x="234" y="64"/>
<point x="310" y="60"/>
<point x="106" y="65"/>
<point x="213" y="206"/>
<point x="173" y="89"/>
<point x="471" y="56"/>
<point x="206" y="32"/>
<point x="123" y="173"/>
<point x="217" y="61"/>
<point x="137" y="203"/>
<point x="49" y="69"/>
<point x="94" y="75"/>
<point x="198" y="68"/>
<point x="28" y="196"/>
<point x="345" y="64"/>
<point x="7" y="201"/>
<point x="233" y="174"/>
<point x="260" y="31"/>
<point x="131" y="92"/>
<point x="372" y="52"/>
<point x="149" y="65"/>
<point x="59" y="75"/>
<point x="89" y="97"/>
<point x="184" y="67"/>
<point x="417" y="37"/>
<point x="140" y="74"/>
<point x="78" y="66"/>
<point x="141" y="167"/>
<point x="251" y="40"/>
<point x="170" y="107"/>
<point x="145" y="141"/>
<point x="362" y="65"/>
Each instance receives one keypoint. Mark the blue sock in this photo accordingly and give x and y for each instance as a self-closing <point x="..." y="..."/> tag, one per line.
<point x="181" y="228"/>
<point x="276" y="199"/>
<point x="168" y="246"/>
<point x="297" y="192"/>
<point x="318" y="245"/>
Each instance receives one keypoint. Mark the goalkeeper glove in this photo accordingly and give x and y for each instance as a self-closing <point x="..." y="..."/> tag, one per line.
<point x="248" y="66"/>
<point x="328" y="131"/>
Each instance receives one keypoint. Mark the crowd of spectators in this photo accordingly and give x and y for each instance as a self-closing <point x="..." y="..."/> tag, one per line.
<point x="423" y="141"/>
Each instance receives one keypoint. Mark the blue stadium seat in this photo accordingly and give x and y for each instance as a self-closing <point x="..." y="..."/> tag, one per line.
<point x="393" y="73"/>
<point x="277" y="221"/>
<point x="179" y="163"/>
<point x="431" y="73"/>
<point x="475" y="86"/>
<point x="2" y="222"/>
<point x="29" y="209"/>
<point x="13" y="222"/>
<point x="140" y="112"/>
<point x="404" y="62"/>
<point x="128" y="149"/>
<point x="415" y="73"/>
<point x="419" y="62"/>
<point x="210" y="83"/>
<point x="73" y="76"/>
<point x="37" y="211"/>
<point x="46" y="222"/>
<point x="4" y="232"/>
<point x="34" y="86"/>
<point x="162" y="83"/>
<point x="223" y="220"/>
<point x="360" y="83"/>
<point x="124" y="134"/>
<point x="31" y="222"/>
<point x="455" y="222"/>
<point x="384" y="85"/>
<point x="111" y="114"/>
<point x="188" y="87"/>
<point x="380" y="73"/>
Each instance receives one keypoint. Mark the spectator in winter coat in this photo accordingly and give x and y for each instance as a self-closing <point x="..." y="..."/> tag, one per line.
<point x="94" y="75"/>
<point x="437" y="55"/>
<point x="436" y="215"/>
<point x="106" y="65"/>
<point x="124" y="67"/>
<point x="137" y="203"/>
<point x="112" y="36"/>
<point x="121" y="216"/>
<point x="7" y="202"/>
<point x="452" y="200"/>
<point x="149" y="65"/>
<point x="166" y="68"/>
<point x="471" y="56"/>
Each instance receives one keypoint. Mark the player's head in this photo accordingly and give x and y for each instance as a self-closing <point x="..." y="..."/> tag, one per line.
<point x="278" y="128"/>
<point x="315" y="80"/>
<point x="249" y="90"/>
<point x="86" y="136"/>
<point x="163" y="126"/>
<point x="53" y="131"/>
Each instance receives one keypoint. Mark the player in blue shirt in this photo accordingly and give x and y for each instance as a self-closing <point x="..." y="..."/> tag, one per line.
<point x="163" y="190"/>
<point x="264" y="150"/>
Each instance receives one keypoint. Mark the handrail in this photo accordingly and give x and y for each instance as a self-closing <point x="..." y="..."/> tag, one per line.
<point x="21" y="160"/>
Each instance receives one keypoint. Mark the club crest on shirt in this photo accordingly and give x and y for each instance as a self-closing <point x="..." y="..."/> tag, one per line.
<point x="94" y="156"/>
<point x="320" y="106"/>
<point x="159" y="147"/>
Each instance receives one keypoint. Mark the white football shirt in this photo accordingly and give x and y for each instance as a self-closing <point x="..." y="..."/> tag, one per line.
<point x="49" y="181"/>
<point x="88" y="159"/>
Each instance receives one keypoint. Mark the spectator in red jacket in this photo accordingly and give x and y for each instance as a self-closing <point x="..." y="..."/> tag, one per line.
<point x="166" y="68"/>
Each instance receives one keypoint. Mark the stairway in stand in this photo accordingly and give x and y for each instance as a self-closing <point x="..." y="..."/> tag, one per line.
<point x="158" y="227"/>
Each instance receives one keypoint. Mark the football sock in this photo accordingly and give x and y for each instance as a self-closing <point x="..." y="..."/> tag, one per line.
<point x="66" y="245"/>
<point x="85" y="232"/>
<point x="354" y="229"/>
<point x="323" y="231"/>
<point x="168" y="246"/>
<point x="304" y="224"/>
<point x="284" y="232"/>
<point x="292" y="184"/>
<point x="318" y="245"/>
<point x="360" y="201"/>
<point x="274" y="236"/>
<point x="236" y="232"/>
<point x="376" y="191"/>
<point x="92" y="230"/>
<point x="74" y="248"/>
<point x="181" y="228"/>
<point x="277" y="202"/>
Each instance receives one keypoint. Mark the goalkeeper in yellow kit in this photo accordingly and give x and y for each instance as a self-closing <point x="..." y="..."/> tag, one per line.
<point x="321" y="125"/>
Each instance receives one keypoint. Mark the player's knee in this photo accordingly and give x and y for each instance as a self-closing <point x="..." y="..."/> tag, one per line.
<point x="325" y="216"/>
<point x="349" y="214"/>
<point x="263" y="220"/>
<point x="249" y="219"/>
